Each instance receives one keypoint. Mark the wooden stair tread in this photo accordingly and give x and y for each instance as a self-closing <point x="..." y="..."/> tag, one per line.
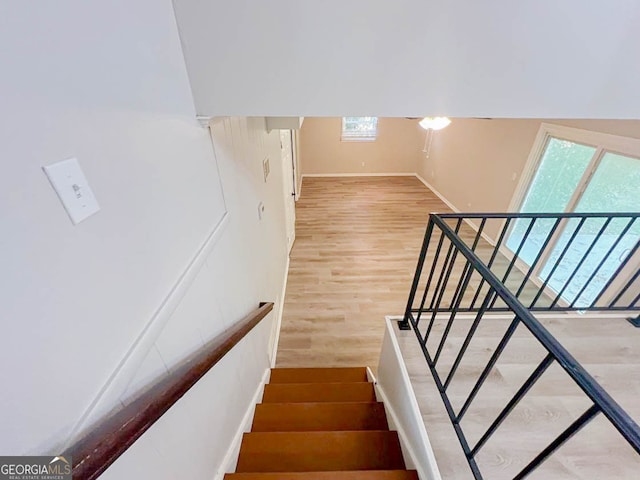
<point x="319" y="451"/>
<point x="318" y="375"/>
<point x="318" y="392"/>
<point x="324" y="416"/>
<point x="340" y="475"/>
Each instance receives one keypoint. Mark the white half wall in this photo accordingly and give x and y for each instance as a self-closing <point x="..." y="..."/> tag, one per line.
<point x="461" y="58"/>
<point x="92" y="313"/>
<point x="394" y="389"/>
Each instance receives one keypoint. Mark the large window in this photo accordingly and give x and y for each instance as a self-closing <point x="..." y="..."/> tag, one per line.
<point x="359" y="129"/>
<point x="574" y="170"/>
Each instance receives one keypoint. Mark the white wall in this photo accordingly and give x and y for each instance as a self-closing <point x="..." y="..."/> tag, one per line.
<point x="393" y="151"/>
<point x="90" y="313"/>
<point x="246" y="262"/>
<point x="463" y="58"/>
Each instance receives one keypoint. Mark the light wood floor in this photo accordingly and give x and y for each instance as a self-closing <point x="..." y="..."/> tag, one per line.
<point x="357" y="243"/>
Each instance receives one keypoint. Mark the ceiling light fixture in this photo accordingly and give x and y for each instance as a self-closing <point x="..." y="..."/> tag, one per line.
<point x="434" y="123"/>
<point x="431" y="124"/>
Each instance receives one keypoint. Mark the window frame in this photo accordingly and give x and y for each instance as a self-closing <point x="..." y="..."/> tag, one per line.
<point x="370" y="135"/>
<point x="602" y="142"/>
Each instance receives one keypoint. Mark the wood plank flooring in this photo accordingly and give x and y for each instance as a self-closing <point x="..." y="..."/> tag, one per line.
<point x="357" y="243"/>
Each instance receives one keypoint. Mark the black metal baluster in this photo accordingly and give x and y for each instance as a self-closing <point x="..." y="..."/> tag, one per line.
<point x="492" y="259"/>
<point x="522" y="391"/>
<point x="487" y="369"/>
<point x="580" y="263"/>
<point x="574" y="428"/>
<point x="476" y="241"/>
<point x="602" y="262"/>
<point x="479" y="234"/>
<point x="539" y="256"/>
<point x="449" y="408"/>
<point x="635" y="301"/>
<point x="454" y="311"/>
<point x="631" y="281"/>
<point x="435" y="308"/>
<point x="558" y="261"/>
<point x="470" y="333"/>
<point x="446" y="261"/>
<point x="458" y="295"/>
<point x="416" y="279"/>
<point x="516" y="255"/>
<point x="454" y="297"/>
<point x="615" y="275"/>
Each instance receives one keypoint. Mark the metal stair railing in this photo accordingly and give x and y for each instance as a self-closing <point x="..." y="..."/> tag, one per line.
<point x="481" y="289"/>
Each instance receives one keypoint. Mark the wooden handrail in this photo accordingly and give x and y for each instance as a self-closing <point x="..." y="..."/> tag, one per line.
<point x="111" y="437"/>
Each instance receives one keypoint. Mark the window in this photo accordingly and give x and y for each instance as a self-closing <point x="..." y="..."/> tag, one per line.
<point x="572" y="170"/>
<point x="359" y="129"/>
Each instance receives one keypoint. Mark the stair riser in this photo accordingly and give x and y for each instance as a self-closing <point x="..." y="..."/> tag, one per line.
<point x="318" y="392"/>
<point x="319" y="451"/>
<point x="355" y="475"/>
<point x="318" y="375"/>
<point x="299" y="417"/>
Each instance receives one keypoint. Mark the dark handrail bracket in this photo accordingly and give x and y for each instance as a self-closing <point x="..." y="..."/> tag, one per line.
<point x="111" y="437"/>
<point x="463" y="276"/>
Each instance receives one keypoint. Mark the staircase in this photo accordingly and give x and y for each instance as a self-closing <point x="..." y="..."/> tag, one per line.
<point x="320" y="424"/>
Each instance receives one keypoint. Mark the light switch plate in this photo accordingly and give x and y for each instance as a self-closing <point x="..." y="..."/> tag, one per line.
<point x="71" y="185"/>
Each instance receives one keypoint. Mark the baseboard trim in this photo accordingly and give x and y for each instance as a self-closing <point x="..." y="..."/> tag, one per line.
<point x="454" y="208"/>
<point x="322" y="175"/>
<point x="230" y="459"/>
<point x="108" y="397"/>
<point x="278" y="325"/>
<point x="438" y="194"/>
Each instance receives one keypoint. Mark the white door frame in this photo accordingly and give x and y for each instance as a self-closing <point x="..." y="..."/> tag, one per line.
<point x="295" y="148"/>
<point x="289" y="187"/>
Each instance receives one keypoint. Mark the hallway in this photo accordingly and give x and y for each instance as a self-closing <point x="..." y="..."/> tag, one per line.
<point x="357" y="243"/>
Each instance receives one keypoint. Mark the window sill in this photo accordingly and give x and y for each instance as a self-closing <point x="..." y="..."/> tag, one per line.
<point x="358" y="139"/>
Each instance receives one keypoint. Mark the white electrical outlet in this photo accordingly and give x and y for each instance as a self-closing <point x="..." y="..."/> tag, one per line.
<point x="73" y="189"/>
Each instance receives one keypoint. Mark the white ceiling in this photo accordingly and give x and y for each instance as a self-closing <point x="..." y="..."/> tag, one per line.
<point x="463" y="58"/>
